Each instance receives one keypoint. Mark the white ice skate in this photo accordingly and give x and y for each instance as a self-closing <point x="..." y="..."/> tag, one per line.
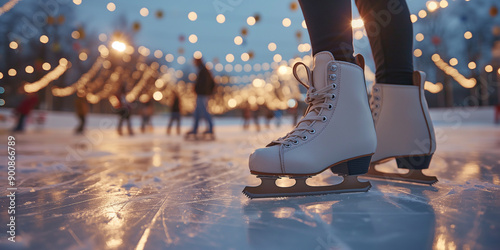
<point x="404" y="130"/>
<point x="336" y="133"/>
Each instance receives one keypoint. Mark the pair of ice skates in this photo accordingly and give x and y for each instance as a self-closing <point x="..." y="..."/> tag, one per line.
<point x="345" y="132"/>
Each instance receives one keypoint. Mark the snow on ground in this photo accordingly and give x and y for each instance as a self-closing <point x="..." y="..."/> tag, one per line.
<point x="151" y="191"/>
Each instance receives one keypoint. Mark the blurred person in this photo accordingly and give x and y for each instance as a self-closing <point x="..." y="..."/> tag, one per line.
<point x="81" y="108"/>
<point x="24" y="109"/>
<point x="343" y="131"/>
<point x="146" y="113"/>
<point x="497" y="114"/>
<point x="204" y="88"/>
<point x="124" y="111"/>
<point x="175" y="115"/>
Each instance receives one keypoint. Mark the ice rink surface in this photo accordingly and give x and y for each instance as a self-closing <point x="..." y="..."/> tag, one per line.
<point x="153" y="191"/>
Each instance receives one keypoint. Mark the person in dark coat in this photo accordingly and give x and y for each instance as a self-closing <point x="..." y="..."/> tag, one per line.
<point x="204" y="88"/>
<point x="24" y="109"/>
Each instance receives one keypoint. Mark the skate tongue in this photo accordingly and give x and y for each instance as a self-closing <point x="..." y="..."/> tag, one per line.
<point x="320" y="71"/>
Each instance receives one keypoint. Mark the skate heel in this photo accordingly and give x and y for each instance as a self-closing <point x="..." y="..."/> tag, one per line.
<point x="414" y="162"/>
<point x="356" y="166"/>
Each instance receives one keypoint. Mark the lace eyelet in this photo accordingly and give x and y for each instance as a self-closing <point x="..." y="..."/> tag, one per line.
<point x="304" y="137"/>
<point x="376" y="89"/>
<point x="333" y="77"/>
<point x="295" y="142"/>
<point x="377" y="98"/>
<point x="376" y="105"/>
<point x="334" y="86"/>
<point x="287" y="145"/>
<point x="330" y="106"/>
<point x="312" y="131"/>
<point x="324" y="119"/>
<point x="332" y="97"/>
<point x="333" y="67"/>
<point x="375" y="114"/>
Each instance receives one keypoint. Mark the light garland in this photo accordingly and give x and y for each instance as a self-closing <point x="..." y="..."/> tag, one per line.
<point x="49" y="77"/>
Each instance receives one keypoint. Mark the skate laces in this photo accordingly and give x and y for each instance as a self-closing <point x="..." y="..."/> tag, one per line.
<point x="317" y="99"/>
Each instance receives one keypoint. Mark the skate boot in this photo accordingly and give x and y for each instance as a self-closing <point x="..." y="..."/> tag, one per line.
<point x="335" y="133"/>
<point x="404" y="130"/>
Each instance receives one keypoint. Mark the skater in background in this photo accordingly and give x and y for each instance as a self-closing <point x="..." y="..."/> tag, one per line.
<point x="204" y="88"/>
<point x="146" y="113"/>
<point x="124" y="111"/>
<point x="175" y="113"/>
<point x="383" y="128"/>
<point x="81" y="109"/>
<point x="255" y="116"/>
<point x="24" y="109"/>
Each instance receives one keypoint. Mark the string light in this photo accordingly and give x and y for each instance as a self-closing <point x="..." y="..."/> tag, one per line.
<point x="12" y="72"/>
<point x="271" y="46"/>
<point x="468" y="35"/>
<point x="193" y="38"/>
<point x="357" y="23"/>
<point x="29" y="69"/>
<point x="417" y="53"/>
<point x="44" y="39"/>
<point x="197" y="55"/>
<point x="488" y="68"/>
<point x="472" y="65"/>
<point x="77" y="2"/>
<point x="8" y="6"/>
<point x="422" y="13"/>
<point x="229" y="58"/>
<point x="466" y="83"/>
<point x="304" y="25"/>
<point x="144" y="12"/>
<point x="245" y="57"/>
<point x="13" y="45"/>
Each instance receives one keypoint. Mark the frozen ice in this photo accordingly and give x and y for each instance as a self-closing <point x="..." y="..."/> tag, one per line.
<point x="153" y="191"/>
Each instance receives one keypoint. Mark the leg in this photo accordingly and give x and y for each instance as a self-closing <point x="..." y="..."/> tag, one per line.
<point x="390" y="32"/>
<point x="329" y="26"/>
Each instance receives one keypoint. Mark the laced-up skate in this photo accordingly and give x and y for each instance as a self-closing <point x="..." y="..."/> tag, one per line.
<point x="404" y="130"/>
<point x="335" y="133"/>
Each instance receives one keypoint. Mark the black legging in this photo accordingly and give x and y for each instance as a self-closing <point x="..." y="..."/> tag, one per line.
<point x="388" y="26"/>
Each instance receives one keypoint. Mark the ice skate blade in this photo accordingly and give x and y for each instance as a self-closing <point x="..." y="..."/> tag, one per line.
<point x="413" y="175"/>
<point x="268" y="188"/>
<point x="199" y="138"/>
